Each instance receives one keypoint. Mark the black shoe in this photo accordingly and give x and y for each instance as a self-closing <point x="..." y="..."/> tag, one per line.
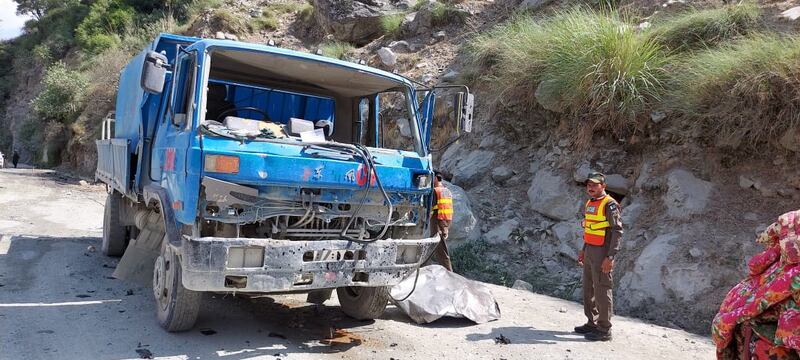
<point x="585" y="328"/>
<point x="598" y="336"/>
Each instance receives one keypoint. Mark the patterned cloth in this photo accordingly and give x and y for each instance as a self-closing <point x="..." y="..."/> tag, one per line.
<point x="760" y="316"/>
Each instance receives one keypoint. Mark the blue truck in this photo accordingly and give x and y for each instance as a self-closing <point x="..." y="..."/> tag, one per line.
<point x="242" y="168"/>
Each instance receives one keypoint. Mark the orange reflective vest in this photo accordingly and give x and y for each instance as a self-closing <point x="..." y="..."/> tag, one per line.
<point x="595" y="222"/>
<point x="444" y="203"/>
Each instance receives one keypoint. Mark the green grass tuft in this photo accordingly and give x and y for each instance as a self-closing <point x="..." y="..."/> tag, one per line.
<point x="744" y="93"/>
<point x="589" y="65"/>
<point x="471" y="260"/>
<point x="336" y="49"/>
<point x="444" y="14"/>
<point x="704" y="28"/>
<point x="267" y="21"/>
<point x="227" y="21"/>
<point x="390" y="24"/>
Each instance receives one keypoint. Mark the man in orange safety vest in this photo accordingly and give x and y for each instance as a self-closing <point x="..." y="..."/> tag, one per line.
<point x="441" y="218"/>
<point x="602" y="232"/>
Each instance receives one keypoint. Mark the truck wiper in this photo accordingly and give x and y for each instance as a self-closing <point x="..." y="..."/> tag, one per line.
<point x="326" y="152"/>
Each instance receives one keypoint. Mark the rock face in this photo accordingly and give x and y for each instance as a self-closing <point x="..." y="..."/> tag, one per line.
<point x="644" y="282"/>
<point x="688" y="281"/>
<point x="553" y="196"/>
<point x="500" y="233"/>
<point x="353" y="21"/>
<point x="618" y="184"/>
<point x="470" y="169"/>
<point x="686" y="194"/>
<point x="465" y="226"/>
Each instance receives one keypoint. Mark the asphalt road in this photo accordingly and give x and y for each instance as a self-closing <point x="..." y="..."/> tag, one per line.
<point x="59" y="301"/>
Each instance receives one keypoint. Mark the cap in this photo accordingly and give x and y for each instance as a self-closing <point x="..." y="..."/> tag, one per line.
<point x="596" y="177"/>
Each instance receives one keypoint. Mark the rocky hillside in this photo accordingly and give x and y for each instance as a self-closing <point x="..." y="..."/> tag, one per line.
<point x="693" y="200"/>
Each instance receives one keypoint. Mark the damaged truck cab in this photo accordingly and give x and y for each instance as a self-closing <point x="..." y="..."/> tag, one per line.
<point x="236" y="167"/>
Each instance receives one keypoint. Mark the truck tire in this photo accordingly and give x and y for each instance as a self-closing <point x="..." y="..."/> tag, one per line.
<point x="114" y="233"/>
<point x="363" y="303"/>
<point x="177" y="307"/>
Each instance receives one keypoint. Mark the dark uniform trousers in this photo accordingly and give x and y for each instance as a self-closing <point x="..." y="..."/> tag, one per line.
<point x="442" y="227"/>
<point x="598" y="304"/>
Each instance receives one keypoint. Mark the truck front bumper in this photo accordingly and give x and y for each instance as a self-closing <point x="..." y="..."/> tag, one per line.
<point x="268" y="265"/>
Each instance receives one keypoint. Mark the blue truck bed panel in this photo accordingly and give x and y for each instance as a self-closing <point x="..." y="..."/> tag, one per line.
<point x="113" y="163"/>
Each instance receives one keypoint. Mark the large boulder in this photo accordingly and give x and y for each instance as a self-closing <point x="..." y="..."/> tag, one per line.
<point x="501" y="233"/>
<point x="354" y="21"/>
<point x="688" y="281"/>
<point x="473" y="167"/>
<point x="450" y="158"/>
<point x="645" y="281"/>
<point x="465" y="226"/>
<point x="570" y="233"/>
<point x="554" y="196"/>
<point x="686" y="195"/>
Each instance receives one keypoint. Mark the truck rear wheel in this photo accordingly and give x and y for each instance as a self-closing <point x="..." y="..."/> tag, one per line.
<point x="114" y="233"/>
<point x="177" y="307"/>
<point x="363" y="303"/>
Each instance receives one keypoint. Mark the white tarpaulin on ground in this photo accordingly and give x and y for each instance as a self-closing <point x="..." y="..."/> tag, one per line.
<point x="443" y="293"/>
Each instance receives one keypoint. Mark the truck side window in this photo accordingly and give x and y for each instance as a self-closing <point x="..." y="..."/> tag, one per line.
<point x="184" y="94"/>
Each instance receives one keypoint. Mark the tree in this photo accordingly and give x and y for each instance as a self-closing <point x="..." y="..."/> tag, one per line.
<point x="38" y="8"/>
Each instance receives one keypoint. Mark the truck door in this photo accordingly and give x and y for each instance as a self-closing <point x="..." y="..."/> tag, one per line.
<point x="174" y="135"/>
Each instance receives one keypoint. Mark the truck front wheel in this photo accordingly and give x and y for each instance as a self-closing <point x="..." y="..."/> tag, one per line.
<point x="177" y="307"/>
<point x="363" y="303"/>
<point x="114" y="234"/>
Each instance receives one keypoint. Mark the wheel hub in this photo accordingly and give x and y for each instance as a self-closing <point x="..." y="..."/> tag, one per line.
<point x="160" y="288"/>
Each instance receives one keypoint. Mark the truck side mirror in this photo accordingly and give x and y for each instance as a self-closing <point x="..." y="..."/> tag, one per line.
<point x="463" y="106"/>
<point x="154" y="72"/>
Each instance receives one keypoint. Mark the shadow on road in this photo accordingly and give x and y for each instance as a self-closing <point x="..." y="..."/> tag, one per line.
<point x="44" y="174"/>
<point x="527" y="335"/>
<point x="61" y="293"/>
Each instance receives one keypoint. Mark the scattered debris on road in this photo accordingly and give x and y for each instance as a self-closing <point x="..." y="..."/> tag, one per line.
<point x="502" y="340"/>
<point x="207" y="331"/>
<point x="342" y="337"/>
<point x="144" y="354"/>
<point x="276" y="335"/>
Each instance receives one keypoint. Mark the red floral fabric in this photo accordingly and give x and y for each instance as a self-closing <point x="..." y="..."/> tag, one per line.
<point x="768" y="295"/>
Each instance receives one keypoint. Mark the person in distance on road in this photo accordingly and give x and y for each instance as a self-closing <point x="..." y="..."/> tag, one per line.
<point x="15" y="158"/>
<point x="441" y="218"/>
<point x="602" y="232"/>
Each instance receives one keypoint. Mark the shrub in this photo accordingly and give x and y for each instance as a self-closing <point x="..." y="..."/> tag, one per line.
<point x="703" y="28"/>
<point x="306" y="12"/>
<point x="444" y="14"/>
<point x="589" y="65"/>
<point x="390" y="24"/>
<point x="106" y="18"/>
<point x="470" y="260"/>
<point x="741" y="93"/>
<point x="268" y="20"/>
<point x="225" y="20"/>
<point x="62" y="94"/>
<point x="336" y="49"/>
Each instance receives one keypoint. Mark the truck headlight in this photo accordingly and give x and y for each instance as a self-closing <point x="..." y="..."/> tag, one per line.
<point x="423" y="181"/>
<point x="222" y="164"/>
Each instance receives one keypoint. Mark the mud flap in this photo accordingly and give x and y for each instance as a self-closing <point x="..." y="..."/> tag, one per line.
<point x="136" y="265"/>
